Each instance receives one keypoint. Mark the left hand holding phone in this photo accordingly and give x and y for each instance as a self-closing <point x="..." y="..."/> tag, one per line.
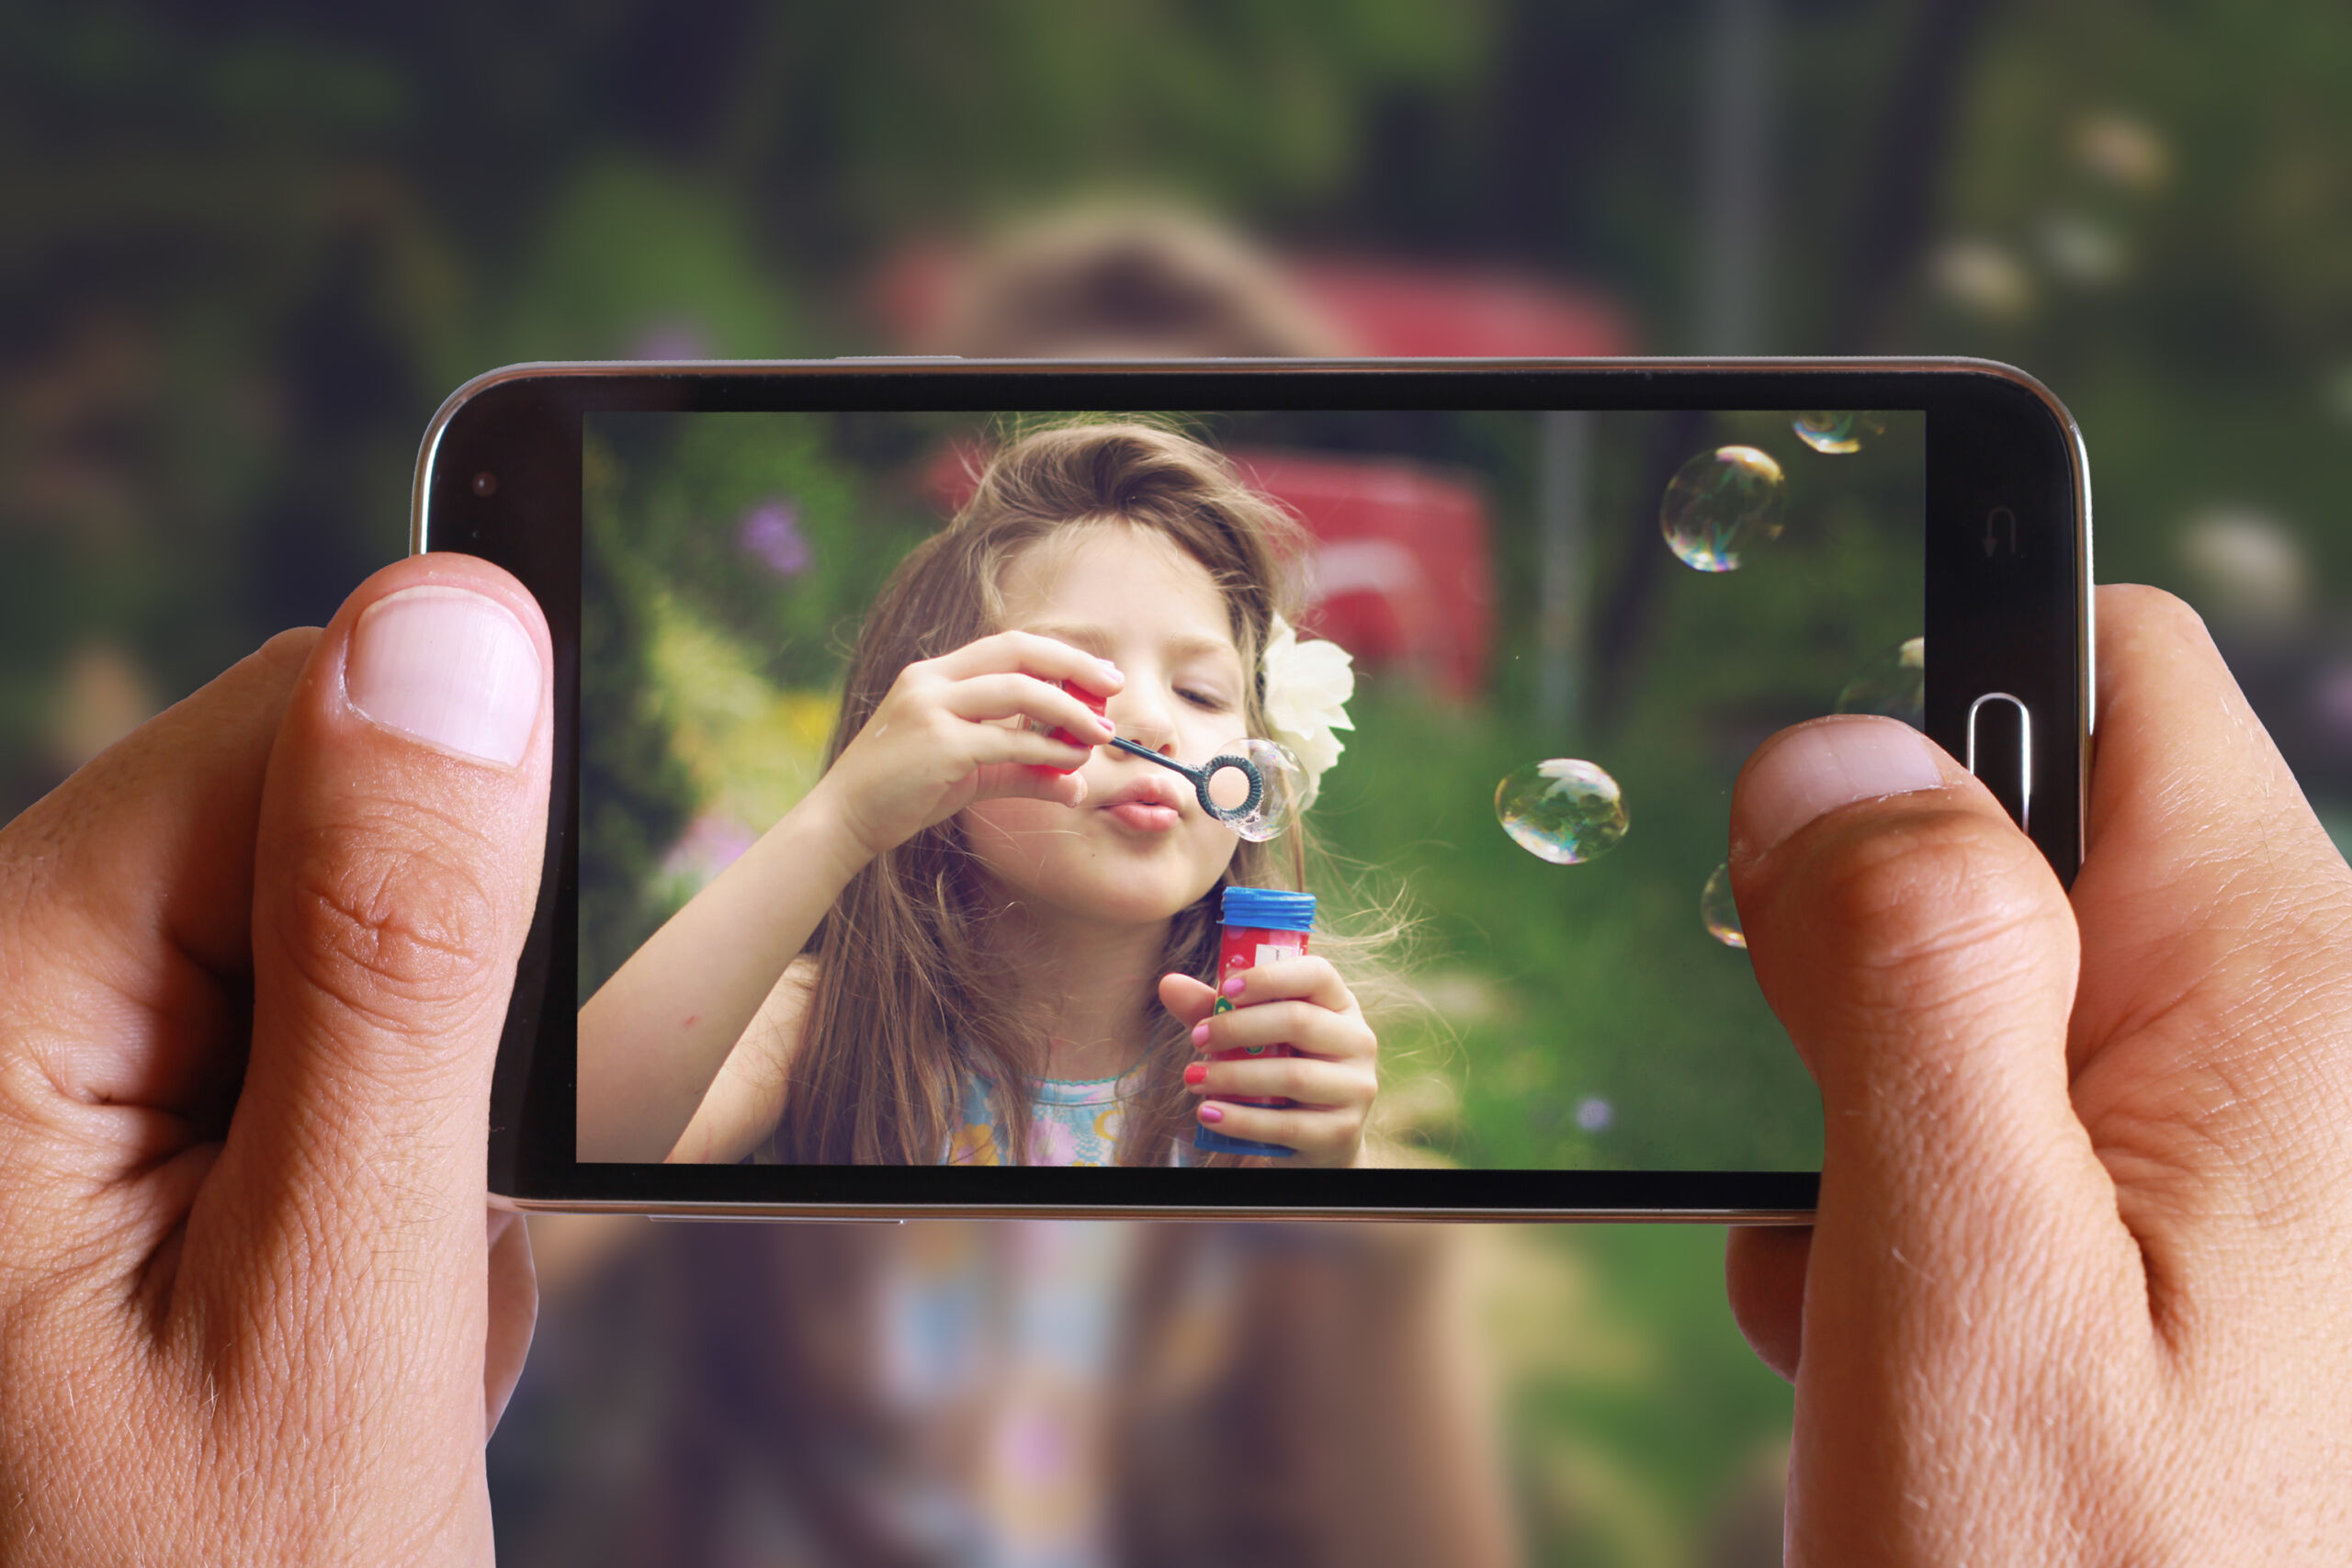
<point x="257" y="957"/>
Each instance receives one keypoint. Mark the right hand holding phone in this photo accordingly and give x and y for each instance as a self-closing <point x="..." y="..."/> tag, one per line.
<point x="956" y="730"/>
<point x="2076" y="1290"/>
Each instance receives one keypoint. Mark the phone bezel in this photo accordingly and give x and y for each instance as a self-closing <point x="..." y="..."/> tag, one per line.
<point x="2015" y="621"/>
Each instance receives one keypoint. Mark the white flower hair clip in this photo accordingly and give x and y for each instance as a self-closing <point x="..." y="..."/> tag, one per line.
<point x="1308" y="684"/>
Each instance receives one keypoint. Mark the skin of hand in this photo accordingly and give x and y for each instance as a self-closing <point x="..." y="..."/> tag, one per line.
<point x="939" y="740"/>
<point x="256" y="962"/>
<point x="2077" y="1286"/>
<point x="1333" y="1076"/>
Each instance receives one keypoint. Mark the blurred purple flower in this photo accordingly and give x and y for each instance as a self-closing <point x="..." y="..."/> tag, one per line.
<point x="1594" y="1114"/>
<point x="671" y="338"/>
<point x="711" y="844"/>
<point x="2331" y="705"/>
<point x="771" y="534"/>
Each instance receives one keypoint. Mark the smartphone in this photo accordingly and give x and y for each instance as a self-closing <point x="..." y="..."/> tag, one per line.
<point x="1497" y="634"/>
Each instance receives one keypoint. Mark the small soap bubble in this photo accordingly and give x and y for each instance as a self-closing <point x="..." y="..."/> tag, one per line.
<point x="1282" y="788"/>
<point x="1594" y="1114"/>
<point x="1564" y="810"/>
<point x="1719" y="504"/>
<point x="1718" y="911"/>
<point x="1828" y="431"/>
<point x="1894" y="683"/>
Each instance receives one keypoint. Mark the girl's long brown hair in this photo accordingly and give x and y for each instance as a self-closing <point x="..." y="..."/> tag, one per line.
<point x="910" y="999"/>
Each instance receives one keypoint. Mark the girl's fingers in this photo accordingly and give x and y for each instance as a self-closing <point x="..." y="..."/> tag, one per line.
<point x="1188" y="998"/>
<point x="1309" y="1028"/>
<point x="1026" y="781"/>
<point x="1013" y="694"/>
<point x="1313" y="1083"/>
<point x="1309" y="978"/>
<point x="1050" y="658"/>
<point x="1315" y="1136"/>
<point x="994" y="743"/>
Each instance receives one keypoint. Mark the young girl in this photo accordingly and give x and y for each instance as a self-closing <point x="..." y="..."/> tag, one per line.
<point x="973" y="940"/>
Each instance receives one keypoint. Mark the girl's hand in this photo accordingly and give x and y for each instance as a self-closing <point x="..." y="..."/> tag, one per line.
<point x="940" y="740"/>
<point x="1332" y="1078"/>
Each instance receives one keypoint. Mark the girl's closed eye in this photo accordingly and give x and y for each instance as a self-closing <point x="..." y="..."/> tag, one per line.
<point x="1209" y="701"/>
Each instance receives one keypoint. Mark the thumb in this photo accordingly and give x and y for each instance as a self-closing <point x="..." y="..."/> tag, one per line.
<point x="396" y="870"/>
<point x="1922" y="957"/>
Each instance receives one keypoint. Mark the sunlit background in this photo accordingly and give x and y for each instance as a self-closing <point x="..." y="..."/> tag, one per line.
<point x="243" y="258"/>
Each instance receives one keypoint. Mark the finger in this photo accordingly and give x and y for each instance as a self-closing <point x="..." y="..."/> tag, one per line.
<point x="1309" y="1134"/>
<point x="986" y="697"/>
<point x="514" y="1314"/>
<point x="997" y="743"/>
<point x="1309" y="1027"/>
<point x="2229" y="1013"/>
<point x="127" y="898"/>
<point x="1027" y="781"/>
<point x="1314" y="1084"/>
<point x="1764" y="1268"/>
<point x="1043" y="656"/>
<point x="1308" y="977"/>
<point x="403" y="827"/>
<point x="1922" y="957"/>
<point x="1188" y="998"/>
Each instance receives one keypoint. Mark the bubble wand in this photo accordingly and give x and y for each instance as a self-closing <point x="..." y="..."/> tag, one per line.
<point x="1203" y="774"/>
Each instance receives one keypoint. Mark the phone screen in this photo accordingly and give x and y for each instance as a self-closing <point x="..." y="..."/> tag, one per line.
<point x="1521" y="657"/>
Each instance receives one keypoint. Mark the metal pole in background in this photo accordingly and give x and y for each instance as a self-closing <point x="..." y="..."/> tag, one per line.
<point x="1738" y="159"/>
<point x="1563" y="568"/>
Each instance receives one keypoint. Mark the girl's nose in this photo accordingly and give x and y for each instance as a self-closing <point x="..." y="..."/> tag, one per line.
<point x="1143" y="718"/>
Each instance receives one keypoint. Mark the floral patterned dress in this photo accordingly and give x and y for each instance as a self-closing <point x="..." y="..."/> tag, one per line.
<point x="1071" y="1122"/>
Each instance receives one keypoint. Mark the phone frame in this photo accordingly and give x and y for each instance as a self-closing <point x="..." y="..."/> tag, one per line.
<point x="2009" y="606"/>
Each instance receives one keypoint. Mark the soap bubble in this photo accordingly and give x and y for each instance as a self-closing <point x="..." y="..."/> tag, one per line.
<point x="1282" y="788"/>
<point x="1894" y="683"/>
<point x="1594" y="1114"/>
<point x="1719" y="503"/>
<point x="1564" y="810"/>
<point x="1827" y="431"/>
<point x="1717" y="911"/>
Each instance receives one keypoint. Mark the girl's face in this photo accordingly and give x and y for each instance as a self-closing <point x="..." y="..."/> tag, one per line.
<point x="1139" y="848"/>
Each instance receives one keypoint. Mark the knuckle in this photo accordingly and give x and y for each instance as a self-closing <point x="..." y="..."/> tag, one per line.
<point x="1932" y="886"/>
<point x="384" y="921"/>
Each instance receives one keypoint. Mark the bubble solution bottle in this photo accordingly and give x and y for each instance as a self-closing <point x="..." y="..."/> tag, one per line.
<point x="1263" y="926"/>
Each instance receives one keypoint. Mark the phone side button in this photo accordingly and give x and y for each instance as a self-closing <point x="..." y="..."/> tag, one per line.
<point x="2000" y="751"/>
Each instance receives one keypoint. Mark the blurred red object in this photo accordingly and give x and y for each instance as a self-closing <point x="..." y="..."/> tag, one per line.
<point x="1399" y="572"/>
<point x="1406" y="313"/>
<point x="1384" y="309"/>
<point x="1399" y="576"/>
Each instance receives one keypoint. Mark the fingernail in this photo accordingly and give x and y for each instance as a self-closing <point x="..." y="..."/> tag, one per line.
<point x="447" y="666"/>
<point x="1200" y="1034"/>
<point x="1233" y="987"/>
<point x="1106" y="726"/>
<point x="1111" y="671"/>
<point x="1211" y="1115"/>
<point x="1198" y="1073"/>
<point x="1823" y="766"/>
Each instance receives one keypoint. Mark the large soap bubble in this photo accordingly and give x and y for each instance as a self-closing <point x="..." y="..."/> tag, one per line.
<point x="1893" y="683"/>
<point x="1564" y="810"/>
<point x="1281" y="785"/>
<point x="1720" y="504"/>
<point x="1718" y="911"/>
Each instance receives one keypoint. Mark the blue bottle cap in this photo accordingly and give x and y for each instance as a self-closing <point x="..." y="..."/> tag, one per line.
<point x="1269" y="909"/>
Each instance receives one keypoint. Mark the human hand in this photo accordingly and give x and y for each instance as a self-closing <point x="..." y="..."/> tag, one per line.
<point x="258" y="960"/>
<point x="940" y="738"/>
<point x="2077" y="1290"/>
<point x="1330" y="1074"/>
